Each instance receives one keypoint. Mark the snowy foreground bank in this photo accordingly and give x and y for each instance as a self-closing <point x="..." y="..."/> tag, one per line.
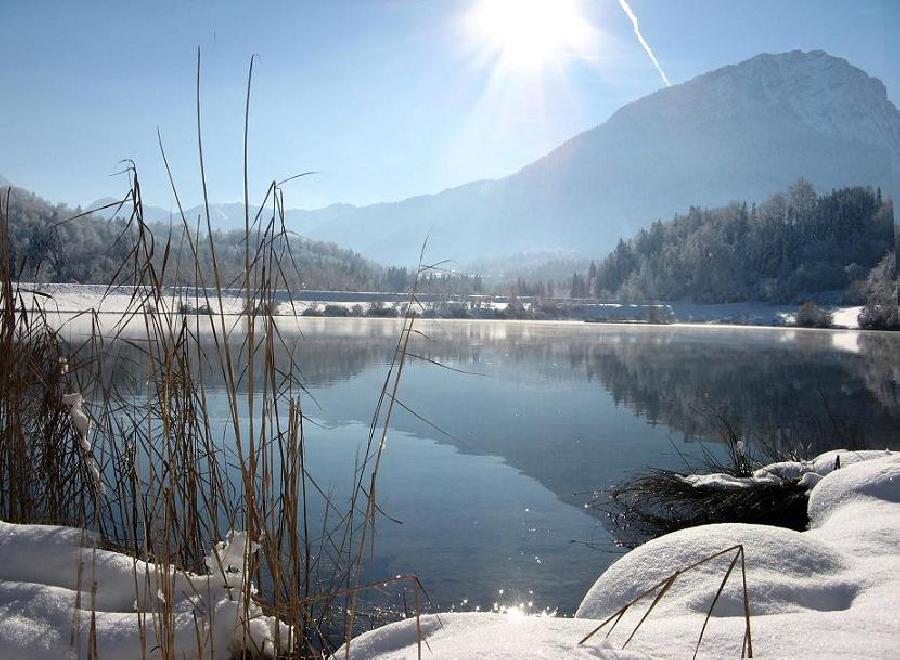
<point x="831" y="591"/>
<point x="46" y="600"/>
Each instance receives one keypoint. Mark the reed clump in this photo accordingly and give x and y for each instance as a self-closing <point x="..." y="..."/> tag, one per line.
<point x="37" y="437"/>
<point x="664" y="501"/>
<point x="149" y="467"/>
<point x="658" y="502"/>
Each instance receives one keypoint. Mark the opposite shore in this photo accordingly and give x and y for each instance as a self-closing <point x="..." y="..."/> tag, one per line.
<point x="65" y="298"/>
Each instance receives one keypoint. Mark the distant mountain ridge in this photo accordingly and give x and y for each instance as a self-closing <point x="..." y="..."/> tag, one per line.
<point x="740" y="132"/>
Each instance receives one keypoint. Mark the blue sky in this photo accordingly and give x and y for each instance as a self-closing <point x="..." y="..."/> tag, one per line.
<point x="385" y="99"/>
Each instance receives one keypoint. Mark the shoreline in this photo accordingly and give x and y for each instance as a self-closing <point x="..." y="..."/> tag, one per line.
<point x="78" y="299"/>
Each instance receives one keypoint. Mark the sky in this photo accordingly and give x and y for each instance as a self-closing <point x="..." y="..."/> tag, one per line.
<point x="382" y="99"/>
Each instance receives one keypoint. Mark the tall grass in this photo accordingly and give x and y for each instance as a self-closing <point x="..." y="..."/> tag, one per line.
<point x="170" y="480"/>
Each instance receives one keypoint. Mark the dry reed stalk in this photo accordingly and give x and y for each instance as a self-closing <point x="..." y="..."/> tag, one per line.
<point x="662" y="587"/>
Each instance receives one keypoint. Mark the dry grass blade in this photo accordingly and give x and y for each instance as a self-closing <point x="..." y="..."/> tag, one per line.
<point x="748" y="638"/>
<point x="662" y="592"/>
<point x="663" y="586"/>
<point x="715" y="600"/>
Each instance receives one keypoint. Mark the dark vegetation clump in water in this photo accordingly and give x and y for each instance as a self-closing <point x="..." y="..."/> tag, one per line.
<point x="662" y="501"/>
<point x="659" y="502"/>
<point x="811" y="315"/>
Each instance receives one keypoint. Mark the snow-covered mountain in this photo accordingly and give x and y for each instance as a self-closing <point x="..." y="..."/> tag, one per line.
<point x="740" y="132"/>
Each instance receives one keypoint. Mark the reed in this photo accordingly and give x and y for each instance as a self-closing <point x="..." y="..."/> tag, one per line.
<point x="156" y="474"/>
<point x="656" y="502"/>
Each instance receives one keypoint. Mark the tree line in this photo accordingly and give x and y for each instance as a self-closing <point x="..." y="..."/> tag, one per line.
<point x="786" y="249"/>
<point x="55" y="243"/>
<point x="793" y="247"/>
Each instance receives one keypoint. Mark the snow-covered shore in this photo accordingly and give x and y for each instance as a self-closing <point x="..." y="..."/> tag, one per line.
<point x="48" y="603"/>
<point x="80" y="298"/>
<point x="833" y="590"/>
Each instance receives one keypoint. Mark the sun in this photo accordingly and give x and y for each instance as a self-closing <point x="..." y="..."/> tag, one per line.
<point x="528" y="33"/>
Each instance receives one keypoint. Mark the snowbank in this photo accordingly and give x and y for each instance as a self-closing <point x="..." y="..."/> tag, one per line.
<point x="846" y="317"/>
<point x="809" y="472"/>
<point x="833" y="590"/>
<point x="80" y="298"/>
<point x="47" y="575"/>
<point x="484" y="635"/>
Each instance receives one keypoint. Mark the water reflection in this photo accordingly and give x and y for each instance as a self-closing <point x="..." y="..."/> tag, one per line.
<point x="548" y="394"/>
<point x="490" y="488"/>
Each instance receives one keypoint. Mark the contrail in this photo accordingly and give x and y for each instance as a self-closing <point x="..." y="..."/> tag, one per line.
<point x="637" y="33"/>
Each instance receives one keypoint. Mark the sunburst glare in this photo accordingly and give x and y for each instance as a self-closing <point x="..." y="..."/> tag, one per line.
<point x="526" y="34"/>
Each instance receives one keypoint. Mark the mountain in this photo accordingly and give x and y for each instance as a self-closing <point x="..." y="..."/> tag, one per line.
<point x="151" y="213"/>
<point x="531" y="264"/>
<point x="740" y="132"/>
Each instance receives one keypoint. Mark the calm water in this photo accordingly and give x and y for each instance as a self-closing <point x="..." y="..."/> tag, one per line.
<point x="555" y="411"/>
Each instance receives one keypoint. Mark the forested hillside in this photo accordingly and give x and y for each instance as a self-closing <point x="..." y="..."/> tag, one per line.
<point x="47" y="244"/>
<point x="52" y="243"/>
<point x="788" y="247"/>
<point x="791" y="246"/>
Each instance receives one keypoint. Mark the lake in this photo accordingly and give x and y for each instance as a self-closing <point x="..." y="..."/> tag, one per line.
<point x="490" y="477"/>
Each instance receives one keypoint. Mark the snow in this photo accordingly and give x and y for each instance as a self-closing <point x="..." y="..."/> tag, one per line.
<point x="46" y="577"/>
<point x="757" y="313"/>
<point x="846" y="317"/>
<point x="485" y="635"/>
<point x="75" y="404"/>
<point x="821" y="465"/>
<point x="787" y="572"/>
<point x="77" y="298"/>
<point x="726" y="481"/>
<point x="833" y="590"/>
<point x="841" y="487"/>
<point x="808" y="472"/>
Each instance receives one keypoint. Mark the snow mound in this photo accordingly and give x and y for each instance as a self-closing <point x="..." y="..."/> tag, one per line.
<point x="833" y="590"/>
<point x="786" y="572"/>
<point x="821" y="465"/>
<point x="483" y="635"/>
<point x="809" y="473"/>
<point x="877" y="479"/>
<point x="47" y="599"/>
